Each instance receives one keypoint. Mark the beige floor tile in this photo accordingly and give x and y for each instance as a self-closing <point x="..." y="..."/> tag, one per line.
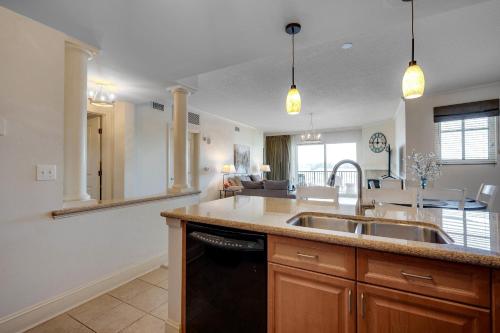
<point x="130" y="290"/>
<point x="149" y="299"/>
<point x="116" y="319"/>
<point x="94" y="308"/>
<point x="60" y="324"/>
<point x="161" y="312"/>
<point x="147" y="324"/>
<point x="163" y="284"/>
<point x="156" y="276"/>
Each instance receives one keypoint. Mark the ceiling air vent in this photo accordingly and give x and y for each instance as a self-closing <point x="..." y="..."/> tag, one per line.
<point x="158" y="106"/>
<point x="193" y="118"/>
<point x="236" y="129"/>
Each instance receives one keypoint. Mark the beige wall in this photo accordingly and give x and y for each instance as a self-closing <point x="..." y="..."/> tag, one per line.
<point x="420" y="137"/>
<point x="221" y="151"/>
<point x="377" y="161"/>
<point x="42" y="259"/>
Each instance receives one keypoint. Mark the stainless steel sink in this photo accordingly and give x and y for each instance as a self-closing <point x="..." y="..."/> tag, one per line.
<point x="323" y="222"/>
<point x="406" y="231"/>
<point x="410" y="232"/>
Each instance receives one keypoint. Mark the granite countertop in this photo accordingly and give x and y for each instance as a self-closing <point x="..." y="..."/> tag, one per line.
<point x="475" y="234"/>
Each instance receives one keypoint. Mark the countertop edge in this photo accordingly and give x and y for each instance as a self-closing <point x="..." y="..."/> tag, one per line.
<point x="66" y="212"/>
<point x="445" y="254"/>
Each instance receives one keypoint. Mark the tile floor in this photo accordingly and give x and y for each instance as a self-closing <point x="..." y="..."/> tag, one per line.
<point x="136" y="307"/>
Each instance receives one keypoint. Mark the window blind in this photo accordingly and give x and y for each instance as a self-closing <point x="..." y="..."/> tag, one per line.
<point x="467" y="140"/>
<point x="488" y="108"/>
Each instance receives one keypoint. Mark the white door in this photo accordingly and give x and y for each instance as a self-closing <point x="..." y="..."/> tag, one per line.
<point x="94" y="157"/>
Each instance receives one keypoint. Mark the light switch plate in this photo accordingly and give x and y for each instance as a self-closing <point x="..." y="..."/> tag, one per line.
<point x="45" y="172"/>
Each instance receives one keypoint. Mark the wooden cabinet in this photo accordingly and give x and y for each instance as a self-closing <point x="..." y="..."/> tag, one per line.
<point x="313" y="256"/>
<point x="382" y="310"/>
<point x="302" y="301"/>
<point x="455" y="282"/>
<point x="318" y="287"/>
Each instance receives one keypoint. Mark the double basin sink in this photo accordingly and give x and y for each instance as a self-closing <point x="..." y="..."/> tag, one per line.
<point x="409" y="232"/>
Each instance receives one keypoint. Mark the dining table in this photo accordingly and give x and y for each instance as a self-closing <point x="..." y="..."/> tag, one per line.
<point x="469" y="204"/>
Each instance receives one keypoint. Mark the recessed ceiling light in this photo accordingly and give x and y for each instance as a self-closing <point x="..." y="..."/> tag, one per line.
<point x="347" y="46"/>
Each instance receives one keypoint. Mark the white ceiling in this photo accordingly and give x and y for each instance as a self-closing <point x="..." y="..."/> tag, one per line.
<point x="240" y="55"/>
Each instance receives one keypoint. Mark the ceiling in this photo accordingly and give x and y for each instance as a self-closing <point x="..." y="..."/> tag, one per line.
<point x="239" y="55"/>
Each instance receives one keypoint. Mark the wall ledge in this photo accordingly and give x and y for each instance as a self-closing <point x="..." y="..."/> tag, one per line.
<point x="108" y="204"/>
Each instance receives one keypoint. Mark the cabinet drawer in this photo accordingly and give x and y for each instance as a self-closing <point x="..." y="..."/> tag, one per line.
<point x="386" y="310"/>
<point x="451" y="281"/>
<point x="314" y="256"/>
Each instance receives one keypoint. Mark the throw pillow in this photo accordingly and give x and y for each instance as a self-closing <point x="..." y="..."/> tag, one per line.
<point x="252" y="185"/>
<point x="276" y="184"/>
<point x="256" y="178"/>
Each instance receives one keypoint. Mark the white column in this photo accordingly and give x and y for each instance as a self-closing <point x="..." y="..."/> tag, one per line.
<point x="75" y="123"/>
<point x="180" y="114"/>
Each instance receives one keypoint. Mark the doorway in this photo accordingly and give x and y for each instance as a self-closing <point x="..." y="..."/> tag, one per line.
<point x="94" y="153"/>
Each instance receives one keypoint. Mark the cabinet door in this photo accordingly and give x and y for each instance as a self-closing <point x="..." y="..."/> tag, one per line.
<point x="302" y="301"/>
<point x="389" y="311"/>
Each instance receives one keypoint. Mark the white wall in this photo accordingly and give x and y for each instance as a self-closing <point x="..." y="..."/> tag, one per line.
<point x="220" y="151"/>
<point x="377" y="161"/>
<point x="151" y="149"/>
<point x="41" y="258"/>
<point x="399" y="154"/>
<point x="420" y="137"/>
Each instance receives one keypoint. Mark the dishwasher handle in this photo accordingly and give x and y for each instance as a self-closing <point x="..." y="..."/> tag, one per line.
<point x="228" y="243"/>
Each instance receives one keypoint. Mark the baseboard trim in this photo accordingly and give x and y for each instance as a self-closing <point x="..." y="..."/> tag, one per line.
<point x="43" y="311"/>
<point x="172" y="326"/>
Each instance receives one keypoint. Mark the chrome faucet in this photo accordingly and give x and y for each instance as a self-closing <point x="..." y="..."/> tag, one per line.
<point x="331" y="181"/>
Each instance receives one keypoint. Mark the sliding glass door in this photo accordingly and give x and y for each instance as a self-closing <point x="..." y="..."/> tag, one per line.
<point x="315" y="163"/>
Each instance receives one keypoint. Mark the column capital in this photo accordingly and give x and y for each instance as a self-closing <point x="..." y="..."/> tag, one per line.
<point x="89" y="50"/>
<point x="181" y="89"/>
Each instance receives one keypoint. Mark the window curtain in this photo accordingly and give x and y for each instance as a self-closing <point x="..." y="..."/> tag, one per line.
<point x="278" y="151"/>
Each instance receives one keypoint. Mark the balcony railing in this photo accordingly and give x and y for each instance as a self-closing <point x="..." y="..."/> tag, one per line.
<point x="347" y="180"/>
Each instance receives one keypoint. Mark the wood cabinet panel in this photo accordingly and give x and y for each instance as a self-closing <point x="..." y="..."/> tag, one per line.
<point x="495" y="307"/>
<point x="314" y="256"/>
<point x="457" y="282"/>
<point x="381" y="310"/>
<point x="302" y="301"/>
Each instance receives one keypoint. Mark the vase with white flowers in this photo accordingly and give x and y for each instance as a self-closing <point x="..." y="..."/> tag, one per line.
<point x="424" y="167"/>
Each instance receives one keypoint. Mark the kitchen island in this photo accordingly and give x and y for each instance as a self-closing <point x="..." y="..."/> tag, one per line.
<point x="360" y="278"/>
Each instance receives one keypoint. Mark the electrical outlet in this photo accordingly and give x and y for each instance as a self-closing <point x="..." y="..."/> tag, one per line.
<point x="45" y="172"/>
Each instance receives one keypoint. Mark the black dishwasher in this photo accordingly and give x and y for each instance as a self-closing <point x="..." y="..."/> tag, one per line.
<point x="226" y="280"/>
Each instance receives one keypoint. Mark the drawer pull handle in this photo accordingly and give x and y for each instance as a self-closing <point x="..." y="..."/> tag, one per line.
<point x="363" y="306"/>
<point x="308" y="256"/>
<point x="423" y="277"/>
<point x="349" y="303"/>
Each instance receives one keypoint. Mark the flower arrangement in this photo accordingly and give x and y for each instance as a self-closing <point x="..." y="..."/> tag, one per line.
<point x="424" y="167"/>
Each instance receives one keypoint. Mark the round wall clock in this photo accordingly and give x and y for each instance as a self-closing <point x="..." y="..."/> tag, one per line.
<point x="378" y="142"/>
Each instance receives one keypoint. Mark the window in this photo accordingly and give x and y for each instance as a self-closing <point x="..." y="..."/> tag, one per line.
<point x="315" y="162"/>
<point x="471" y="140"/>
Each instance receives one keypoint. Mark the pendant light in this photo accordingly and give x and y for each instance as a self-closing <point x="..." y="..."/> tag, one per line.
<point x="293" y="102"/>
<point x="413" y="80"/>
<point x="311" y="136"/>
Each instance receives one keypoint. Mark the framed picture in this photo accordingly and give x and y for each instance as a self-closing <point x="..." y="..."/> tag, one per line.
<point x="242" y="158"/>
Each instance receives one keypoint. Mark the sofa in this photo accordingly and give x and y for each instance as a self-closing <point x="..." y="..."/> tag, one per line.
<point x="267" y="188"/>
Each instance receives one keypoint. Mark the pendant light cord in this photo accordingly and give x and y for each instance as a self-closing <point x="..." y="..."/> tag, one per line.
<point x="412" y="35"/>
<point x="293" y="58"/>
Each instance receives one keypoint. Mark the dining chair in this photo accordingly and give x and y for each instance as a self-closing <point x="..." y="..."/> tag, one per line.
<point x="487" y="194"/>
<point x="445" y="194"/>
<point x="395" y="184"/>
<point x="318" y="192"/>
<point x="393" y="196"/>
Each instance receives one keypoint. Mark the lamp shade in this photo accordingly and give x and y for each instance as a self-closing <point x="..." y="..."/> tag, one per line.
<point x="413" y="82"/>
<point x="265" y="168"/>
<point x="293" y="102"/>
<point x="228" y="168"/>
